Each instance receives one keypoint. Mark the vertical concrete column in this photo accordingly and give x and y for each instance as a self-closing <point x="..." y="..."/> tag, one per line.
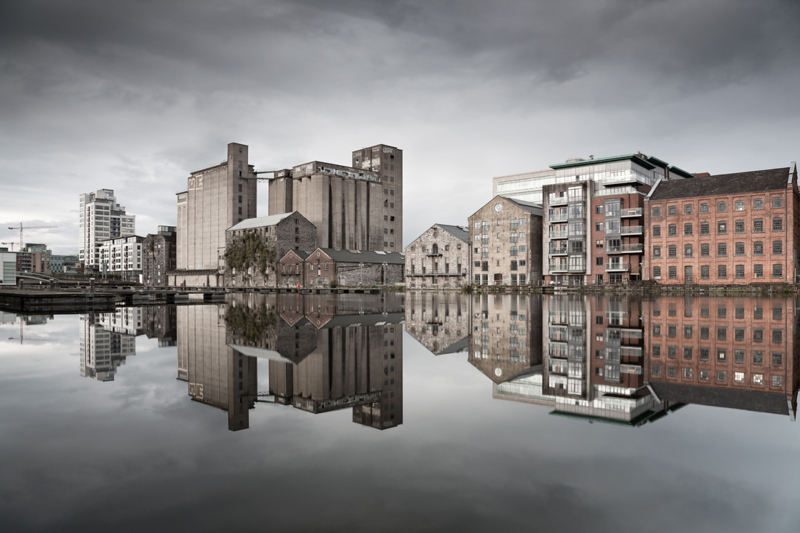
<point x="349" y="193"/>
<point x="361" y="215"/>
<point x="336" y="213"/>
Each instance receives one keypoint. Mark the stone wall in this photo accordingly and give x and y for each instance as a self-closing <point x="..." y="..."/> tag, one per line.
<point x="447" y="270"/>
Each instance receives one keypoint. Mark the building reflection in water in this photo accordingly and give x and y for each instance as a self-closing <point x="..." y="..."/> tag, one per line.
<point x="739" y="353"/>
<point x="438" y="320"/>
<point x="619" y="359"/>
<point x="323" y="353"/>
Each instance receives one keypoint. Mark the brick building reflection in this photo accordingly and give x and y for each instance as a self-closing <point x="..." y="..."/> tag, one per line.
<point x="438" y="320"/>
<point x="739" y="353"/>
<point x="323" y="352"/>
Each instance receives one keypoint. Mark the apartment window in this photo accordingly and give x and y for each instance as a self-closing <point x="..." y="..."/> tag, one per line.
<point x="722" y="207"/>
<point x="672" y="352"/>
<point x="722" y="272"/>
<point x="656" y="231"/>
<point x="722" y="312"/>
<point x="704" y="354"/>
<point x="738" y="356"/>
<point x="671" y="371"/>
<point x="758" y="379"/>
<point x="656" y="211"/>
<point x="672" y="230"/>
<point x="777" y="359"/>
<point x="687" y="209"/>
<point x="704" y="208"/>
<point x="722" y="249"/>
<point x="656" y="350"/>
<point x="758" y="335"/>
<point x="656" y="370"/>
<point x="598" y="226"/>
<point x="673" y="273"/>
<point x="513" y="265"/>
<point x="687" y="230"/>
<point x="777" y="224"/>
<point x="758" y="248"/>
<point x="777" y="202"/>
<point x="687" y="354"/>
<point x="739" y="271"/>
<point x="758" y="271"/>
<point x="777" y="247"/>
<point x="656" y="251"/>
<point x="738" y="334"/>
<point x="777" y="270"/>
<point x="704" y="250"/>
<point x="599" y="209"/>
<point x="656" y="330"/>
<point x="656" y="272"/>
<point x="599" y="261"/>
<point x="704" y="374"/>
<point x="738" y="248"/>
<point x="673" y="250"/>
<point x="738" y="226"/>
<point x="687" y="250"/>
<point x="721" y="375"/>
<point x="777" y="313"/>
<point x="687" y="331"/>
<point x="739" y="313"/>
<point x="704" y="228"/>
<point x="777" y="335"/>
<point x="704" y="272"/>
<point x="758" y="313"/>
<point x="722" y="227"/>
<point x="777" y="381"/>
<point x="672" y="210"/>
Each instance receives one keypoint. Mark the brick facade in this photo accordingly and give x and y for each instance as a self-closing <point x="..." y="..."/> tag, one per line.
<point x="324" y="266"/>
<point x="158" y="257"/>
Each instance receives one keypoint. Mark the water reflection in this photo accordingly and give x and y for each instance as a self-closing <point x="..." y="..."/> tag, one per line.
<point x="322" y="352"/>
<point x="618" y="358"/>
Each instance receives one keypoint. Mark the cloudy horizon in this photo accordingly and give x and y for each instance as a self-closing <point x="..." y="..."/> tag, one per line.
<point x="133" y="96"/>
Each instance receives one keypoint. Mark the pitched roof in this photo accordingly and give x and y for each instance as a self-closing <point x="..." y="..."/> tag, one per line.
<point x="299" y="253"/>
<point x="260" y="222"/>
<point x="355" y="256"/>
<point x="530" y="207"/>
<point x="747" y="400"/>
<point x="458" y="232"/>
<point x="737" y="183"/>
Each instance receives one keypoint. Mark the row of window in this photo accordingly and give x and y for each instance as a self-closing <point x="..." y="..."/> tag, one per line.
<point x="722" y="207"/>
<point x="484" y="265"/>
<point x="722" y="333"/>
<point x="722" y="227"/>
<point x="722" y="355"/>
<point x="722" y="312"/>
<point x="722" y="272"/>
<point x="722" y="375"/>
<point x="513" y="237"/>
<point x="483" y="279"/>
<point x="512" y="251"/>
<point x="484" y="226"/>
<point x="722" y="249"/>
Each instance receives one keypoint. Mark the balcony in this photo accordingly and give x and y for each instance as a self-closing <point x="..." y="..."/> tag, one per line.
<point x="562" y="217"/>
<point x="618" y="267"/>
<point x="561" y="200"/>
<point x="625" y="249"/>
<point x="630" y="333"/>
<point x="559" y="234"/>
<point x="630" y="351"/>
<point x="558" y="250"/>
<point x="631" y="212"/>
<point x="558" y="267"/>
<point x="630" y="230"/>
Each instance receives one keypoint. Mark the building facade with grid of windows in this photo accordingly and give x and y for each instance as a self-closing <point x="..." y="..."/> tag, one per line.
<point x="725" y="229"/>
<point x="505" y="237"/>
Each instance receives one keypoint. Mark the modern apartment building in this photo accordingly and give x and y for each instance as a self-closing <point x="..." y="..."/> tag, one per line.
<point x="737" y="353"/>
<point x="159" y="255"/>
<point x="100" y="219"/>
<point x="726" y="229"/>
<point x="353" y="208"/>
<point x="526" y="187"/>
<point x="506" y="240"/>
<point x="216" y="198"/>
<point x="122" y="256"/>
<point x="439" y="258"/>
<point x="64" y="264"/>
<point x="103" y="350"/>
<point x="8" y="267"/>
<point x="594" y="217"/>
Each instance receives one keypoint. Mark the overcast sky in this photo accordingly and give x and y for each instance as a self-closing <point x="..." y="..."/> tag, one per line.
<point x="132" y="96"/>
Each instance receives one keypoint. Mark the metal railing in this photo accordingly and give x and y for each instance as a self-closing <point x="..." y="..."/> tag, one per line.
<point x="625" y="249"/>
<point x="631" y="212"/>
<point x="630" y="230"/>
<point x="618" y="267"/>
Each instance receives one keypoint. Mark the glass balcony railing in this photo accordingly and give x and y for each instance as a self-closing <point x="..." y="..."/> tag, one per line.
<point x="558" y="200"/>
<point x="618" y="267"/>
<point x="631" y="212"/>
<point x="625" y="249"/>
<point x="630" y="230"/>
<point x="558" y="267"/>
<point x="558" y="250"/>
<point x="560" y="217"/>
<point x="559" y="234"/>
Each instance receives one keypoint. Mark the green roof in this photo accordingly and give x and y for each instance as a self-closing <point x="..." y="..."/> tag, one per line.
<point x="629" y="157"/>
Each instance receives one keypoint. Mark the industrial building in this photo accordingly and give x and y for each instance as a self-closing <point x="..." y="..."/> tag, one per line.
<point x="353" y="208"/>
<point x="506" y="240"/>
<point x="438" y="259"/>
<point x="254" y="246"/>
<point x="726" y="229"/>
<point x="323" y="267"/>
<point x="215" y="199"/>
<point x="100" y="219"/>
<point x="159" y="255"/>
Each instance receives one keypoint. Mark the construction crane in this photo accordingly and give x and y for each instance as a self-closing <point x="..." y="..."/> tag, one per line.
<point x="20" y="228"/>
<point x="10" y="244"/>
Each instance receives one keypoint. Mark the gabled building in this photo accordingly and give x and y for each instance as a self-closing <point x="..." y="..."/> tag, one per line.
<point x="345" y="268"/>
<point x="725" y="229"/>
<point x="505" y="237"/>
<point x="438" y="259"/>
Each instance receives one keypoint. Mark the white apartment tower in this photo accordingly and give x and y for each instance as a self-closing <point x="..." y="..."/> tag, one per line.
<point x="100" y="219"/>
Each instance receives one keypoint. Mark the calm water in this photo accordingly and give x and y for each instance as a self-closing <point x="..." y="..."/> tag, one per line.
<point x="423" y="413"/>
